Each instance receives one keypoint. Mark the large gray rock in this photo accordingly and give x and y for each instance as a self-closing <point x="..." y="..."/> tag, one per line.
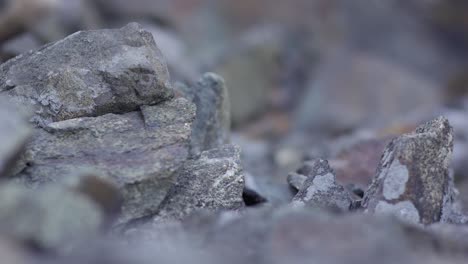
<point x="89" y="73"/>
<point x="214" y="181"/>
<point x="413" y="180"/>
<point x="212" y="124"/>
<point x="139" y="151"/>
<point x="14" y="133"/>
<point x="320" y="189"/>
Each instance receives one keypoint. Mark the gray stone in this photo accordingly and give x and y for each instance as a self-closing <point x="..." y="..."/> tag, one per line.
<point x="54" y="218"/>
<point x="14" y="133"/>
<point x="111" y="71"/>
<point x="138" y="151"/>
<point x="214" y="181"/>
<point x="212" y="124"/>
<point x="320" y="189"/>
<point x="413" y="180"/>
<point x="296" y="180"/>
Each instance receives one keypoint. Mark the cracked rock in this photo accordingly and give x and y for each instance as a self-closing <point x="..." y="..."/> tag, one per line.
<point x="214" y="181"/>
<point x="320" y="189"/>
<point x="138" y="151"/>
<point x="211" y="128"/>
<point x="413" y="181"/>
<point x="110" y="71"/>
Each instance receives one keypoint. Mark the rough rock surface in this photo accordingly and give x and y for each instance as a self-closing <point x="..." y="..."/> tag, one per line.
<point x="139" y="151"/>
<point x="413" y="180"/>
<point x="111" y="71"/>
<point x="54" y="218"/>
<point x="212" y="124"/>
<point x="320" y="189"/>
<point x="14" y="133"/>
<point x="102" y="102"/>
<point x="214" y="181"/>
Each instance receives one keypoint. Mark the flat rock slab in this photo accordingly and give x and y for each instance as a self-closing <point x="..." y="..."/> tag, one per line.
<point x="413" y="179"/>
<point x="89" y="73"/>
<point x="214" y="181"/>
<point x="14" y="133"/>
<point x="139" y="151"/>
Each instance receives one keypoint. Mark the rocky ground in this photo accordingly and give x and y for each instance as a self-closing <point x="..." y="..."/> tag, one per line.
<point x="342" y="141"/>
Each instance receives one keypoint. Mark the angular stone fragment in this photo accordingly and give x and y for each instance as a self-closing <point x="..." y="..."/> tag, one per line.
<point x="138" y="151"/>
<point x="296" y="180"/>
<point x="214" y="181"/>
<point x="413" y="179"/>
<point x="320" y="189"/>
<point x="89" y="73"/>
<point x="14" y="132"/>
<point x="54" y="218"/>
<point x="212" y="124"/>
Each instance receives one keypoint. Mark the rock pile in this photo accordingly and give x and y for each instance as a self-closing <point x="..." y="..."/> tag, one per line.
<point x="101" y="102"/>
<point x="103" y="161"/>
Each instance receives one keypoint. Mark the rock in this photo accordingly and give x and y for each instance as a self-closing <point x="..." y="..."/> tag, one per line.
<point x="320" y="188"/>
<point x="296" y="180"/>
<point x="214" y="181"/>
<point x="138" y="151"/>
<point x="111" y="71"/>
<point x="413" y="179"/>
<point x="54" y="218"/>
<point x="356" y="164"/>
<point x="211" y="128"/>
<point x="14" y="133"/>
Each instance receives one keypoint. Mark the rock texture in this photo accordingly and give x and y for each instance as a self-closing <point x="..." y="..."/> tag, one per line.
<point x="214" y="181"/>
<point x="212" y="124"/>
<point x="111" y="71"/>
<point x="139" y="151"/>
<point x="413" y="179"/>
<point x="320" y="189"/>
<point x="14" y="133"/>
<point x="102" y="101"/>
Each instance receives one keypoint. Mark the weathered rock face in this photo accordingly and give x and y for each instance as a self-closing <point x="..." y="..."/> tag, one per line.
<point x="89" y="73"/>
<point x="413" y="179"/>
<point x="212" y="124"/>
<point x="102" y="101"/>
<point x="214" y="181"/>
<point x="320" y="188"/>
<point x="14" y="132"/>
<point x="139" y="151"/>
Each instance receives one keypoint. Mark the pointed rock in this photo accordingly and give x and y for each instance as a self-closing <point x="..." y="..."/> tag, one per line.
<point x="413" y="180"/>
<point x="320" y="189"/>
